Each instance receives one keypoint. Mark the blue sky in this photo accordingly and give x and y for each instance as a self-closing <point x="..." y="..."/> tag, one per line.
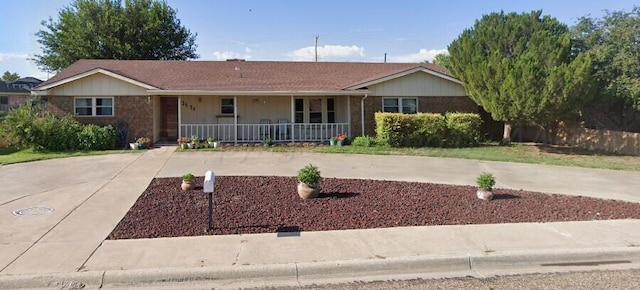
<point x="348" y="30"/>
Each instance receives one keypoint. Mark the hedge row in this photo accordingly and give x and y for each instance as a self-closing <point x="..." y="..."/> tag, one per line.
<point x="31" y="126"/>
<point x="428" y="129"/>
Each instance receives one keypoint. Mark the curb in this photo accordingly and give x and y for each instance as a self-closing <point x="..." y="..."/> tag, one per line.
<point x="307" y="273"/>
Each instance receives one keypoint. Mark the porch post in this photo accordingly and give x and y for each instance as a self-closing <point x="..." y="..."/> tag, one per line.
<point x="349" y="116"/>
<point x="179" y="117"/>
<point x="235" y="118"/>
<point x="293" y="119"/>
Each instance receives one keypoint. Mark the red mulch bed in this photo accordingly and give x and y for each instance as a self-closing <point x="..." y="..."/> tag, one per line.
<point x="258" y="204"/>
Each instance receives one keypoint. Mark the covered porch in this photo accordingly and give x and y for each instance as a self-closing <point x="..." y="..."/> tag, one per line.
<point x="257" y="117"/>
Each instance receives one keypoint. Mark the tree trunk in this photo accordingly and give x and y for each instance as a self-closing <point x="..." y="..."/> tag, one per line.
<point x="506" y="135"/>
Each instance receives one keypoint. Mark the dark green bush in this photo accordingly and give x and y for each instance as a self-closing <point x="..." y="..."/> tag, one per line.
<point x="31" y="126"/>
<point x="463" y="129"/>
<point x="363" y="141"/>
<point x="410" y="130"/>
<point x="93" y="137"/>
<point x="430" y="129"/>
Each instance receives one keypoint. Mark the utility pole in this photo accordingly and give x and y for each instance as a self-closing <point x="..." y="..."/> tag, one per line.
<point x="385" y="57"/>
<point x="317" y="36"/>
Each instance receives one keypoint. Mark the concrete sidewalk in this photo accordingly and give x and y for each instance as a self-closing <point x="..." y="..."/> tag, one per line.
<point x="70" y="249"/>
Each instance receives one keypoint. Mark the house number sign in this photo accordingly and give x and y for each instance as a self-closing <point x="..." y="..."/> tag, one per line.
<point x="190" y="107"/>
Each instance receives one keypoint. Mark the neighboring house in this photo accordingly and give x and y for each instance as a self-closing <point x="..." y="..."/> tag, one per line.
<point x="249" y="101"/>
<point x="16" y="93"/>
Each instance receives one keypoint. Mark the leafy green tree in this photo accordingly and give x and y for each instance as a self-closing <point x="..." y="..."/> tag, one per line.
<point x="9" y="77"/>
<point x="521" y="69"/>
<point x="443" y="61"/>
<point x="614" y="45"/>
<point x="111" y="29"/>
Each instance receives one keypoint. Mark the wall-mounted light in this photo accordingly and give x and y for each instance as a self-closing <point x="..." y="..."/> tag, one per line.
<point x="149" y="100"/>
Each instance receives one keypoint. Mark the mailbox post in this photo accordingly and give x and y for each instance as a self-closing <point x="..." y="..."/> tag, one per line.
<point x="209" y="183"/>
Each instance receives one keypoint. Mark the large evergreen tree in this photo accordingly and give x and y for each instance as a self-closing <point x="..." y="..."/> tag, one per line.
<point x="614" y="45"/>
<point x="521" y="68"/>
<point x="111" y="29"/>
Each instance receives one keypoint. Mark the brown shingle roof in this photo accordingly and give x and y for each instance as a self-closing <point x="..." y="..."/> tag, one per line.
<point x="244" y="75"/>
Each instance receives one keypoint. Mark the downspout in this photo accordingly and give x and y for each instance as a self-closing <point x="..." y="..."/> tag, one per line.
<point x="362" y="112"/>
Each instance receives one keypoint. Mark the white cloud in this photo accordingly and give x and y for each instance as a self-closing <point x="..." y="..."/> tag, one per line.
<point x="420" y="56"/>
<point x="326" y="52"/>
<point x="21" y="64"/>
<point x="8" y="56"/>
<point x="224" y="55"/>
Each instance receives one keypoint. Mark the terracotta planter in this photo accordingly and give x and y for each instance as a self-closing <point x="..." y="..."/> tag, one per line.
<point x="306" y="191"/>
<point x="186" y="185"/>
<point x="484" y="194"/>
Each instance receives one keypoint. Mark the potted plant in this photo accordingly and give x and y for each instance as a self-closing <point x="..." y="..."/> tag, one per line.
<point x="133" y="145"/>
<point x="332" y="141"/>
<point x="268" y="142"/>
<point x="485" y="182"/>
<point x="341" y="139"/>
<point x="212" y="142"/>
<point x="187" y="181"/>
<point x="308" y="182"/>
<point x="183" y="141"/>
<point x="144" y="143"/>
<point x="195" y="142"/>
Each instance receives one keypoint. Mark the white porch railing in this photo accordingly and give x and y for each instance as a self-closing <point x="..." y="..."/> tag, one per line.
<point x="283" y="132"/>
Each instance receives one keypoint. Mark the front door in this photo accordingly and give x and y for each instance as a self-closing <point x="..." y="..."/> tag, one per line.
<point x="169" y="122"/>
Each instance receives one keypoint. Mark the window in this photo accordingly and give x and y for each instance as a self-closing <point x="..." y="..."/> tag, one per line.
<point x="299" y="110"/>
<point x="94" y="106"/>
<point x="400" y="105"/>
<point x="226" y="106"/>
<point x="331" y="110"/>
<point x="315" y="110"/>
<point x="4" y="103"/>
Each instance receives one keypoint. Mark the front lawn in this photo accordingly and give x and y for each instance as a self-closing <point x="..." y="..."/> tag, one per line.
<point x="10" y="155"/>
<point x="518" y="152"/>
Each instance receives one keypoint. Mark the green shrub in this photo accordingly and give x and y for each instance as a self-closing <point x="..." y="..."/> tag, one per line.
<point x="188" y="177"/>
<point x="486" y="181"/>
<point x="56" y="134"/>
<point x="363" y="141"/>
<point x="463" y="129"/>
<point x="309" y="175"/>
<point x="394" y="129"/>
<point x="410" y="130"/>
<point x="94" y="137"/>
<point x="430" y="129"/>
<point x="31" y="126"/>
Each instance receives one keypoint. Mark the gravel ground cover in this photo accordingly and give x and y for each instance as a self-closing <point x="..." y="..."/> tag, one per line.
<point x="269" y="204"/>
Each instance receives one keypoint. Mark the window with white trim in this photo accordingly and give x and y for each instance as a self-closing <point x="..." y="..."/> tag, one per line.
<point x="400" y="105"/>
<point x="93" y="106"/>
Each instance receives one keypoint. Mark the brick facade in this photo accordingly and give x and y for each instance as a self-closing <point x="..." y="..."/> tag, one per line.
<point x="425" y="105"/>
<point x="135" y="110"/>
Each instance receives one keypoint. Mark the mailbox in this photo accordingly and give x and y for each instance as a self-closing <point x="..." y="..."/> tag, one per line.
<point x="209" y="181"/>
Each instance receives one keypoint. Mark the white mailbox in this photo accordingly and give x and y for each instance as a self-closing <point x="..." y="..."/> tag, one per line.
<point x="209" y="181"/>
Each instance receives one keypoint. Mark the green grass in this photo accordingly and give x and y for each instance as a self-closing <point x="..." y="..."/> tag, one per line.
<point x="11" y="155"/>
<point x="521" y="153"/>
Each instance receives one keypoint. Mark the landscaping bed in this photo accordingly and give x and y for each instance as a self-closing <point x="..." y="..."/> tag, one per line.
<point x="259" y="204"/>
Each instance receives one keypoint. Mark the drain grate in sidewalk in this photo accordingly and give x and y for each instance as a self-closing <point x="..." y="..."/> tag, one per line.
<point x="33" y="211"/>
